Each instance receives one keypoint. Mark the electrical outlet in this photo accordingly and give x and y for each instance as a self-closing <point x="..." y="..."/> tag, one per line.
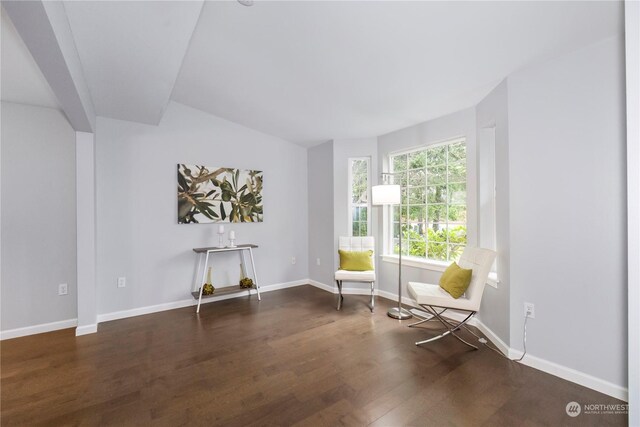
<point x="529" y="310"/>
<point x="293" y="260"/>
<point x="317" y="261"/>
<point x="122" y="282"/>
<point x="63" y="289"/>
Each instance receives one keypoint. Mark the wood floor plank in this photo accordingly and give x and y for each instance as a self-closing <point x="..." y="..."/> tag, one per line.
<point x="328" y="416"/>
<point x="290" y="359"/>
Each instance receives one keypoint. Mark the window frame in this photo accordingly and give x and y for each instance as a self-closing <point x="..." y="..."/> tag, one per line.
<point x="389" y="239"/>
<point x="351" y="205"/>
<point x="487" y="189"/>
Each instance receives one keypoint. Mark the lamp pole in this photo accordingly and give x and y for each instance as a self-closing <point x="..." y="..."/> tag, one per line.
<point x="388" y="199"/>
<point x="399" y="312"/>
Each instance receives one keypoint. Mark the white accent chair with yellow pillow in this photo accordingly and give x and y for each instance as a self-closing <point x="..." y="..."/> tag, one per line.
<point x="436" y="300"/>
<point x="357" y="244"/>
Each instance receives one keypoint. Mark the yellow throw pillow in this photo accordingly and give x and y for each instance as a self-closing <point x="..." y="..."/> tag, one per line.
<point x="455" y="280"/>
<point x="355" y="261"/>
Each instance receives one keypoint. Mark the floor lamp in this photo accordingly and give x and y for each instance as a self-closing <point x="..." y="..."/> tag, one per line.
<point x="388" y="195"/>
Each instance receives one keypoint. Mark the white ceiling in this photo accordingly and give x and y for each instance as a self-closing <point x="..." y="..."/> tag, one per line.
<point x="312" y="71"/>
<point x="131" y="53"/>
<point x="308" y="71"/>
<point x="21" y="81"/>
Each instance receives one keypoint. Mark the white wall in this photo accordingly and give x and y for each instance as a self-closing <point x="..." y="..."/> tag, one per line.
<point x="462" y="123"/>
<point x="343" y="149"/>
<point x="492" y="112"/>
<point x="86" y="232"/>
<point x="567" y="210"/>
<point x="38" y="216"/>
<point x="138" y="236"/>
<point x="320" y="199"/>
<point x="632" y="46"/>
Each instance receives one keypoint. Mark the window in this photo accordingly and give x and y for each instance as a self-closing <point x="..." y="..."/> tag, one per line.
<point x="434" y="201"/>
<point x="359" y="196"/>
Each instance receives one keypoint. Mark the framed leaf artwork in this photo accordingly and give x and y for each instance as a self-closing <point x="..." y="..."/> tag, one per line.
<point x="215" y="194"/>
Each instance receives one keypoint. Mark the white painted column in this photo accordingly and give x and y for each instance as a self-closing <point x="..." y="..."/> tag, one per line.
<point x="86" y="232"/>
<point x="632" y="45"/>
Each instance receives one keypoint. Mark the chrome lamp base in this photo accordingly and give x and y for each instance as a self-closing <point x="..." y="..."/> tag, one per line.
<point x="399" y="313"/>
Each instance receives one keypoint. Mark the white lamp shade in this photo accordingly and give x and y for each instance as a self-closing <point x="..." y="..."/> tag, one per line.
<point x="387" y="194"/>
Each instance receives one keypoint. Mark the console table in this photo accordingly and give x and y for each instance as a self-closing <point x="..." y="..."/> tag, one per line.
<point x="205" y="252"/>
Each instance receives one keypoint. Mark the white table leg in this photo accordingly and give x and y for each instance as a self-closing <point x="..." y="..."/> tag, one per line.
<point x="204" y="272"/>
<point x="244" y="267"/>
<point x="255" y="276"/>
<point x="199" y="263"/>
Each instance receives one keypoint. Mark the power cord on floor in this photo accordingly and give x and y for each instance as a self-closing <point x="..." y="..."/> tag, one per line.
<point x="486" y="343"/>
<point x="424" y="315"/>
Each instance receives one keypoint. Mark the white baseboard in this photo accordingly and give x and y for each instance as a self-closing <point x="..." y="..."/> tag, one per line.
<point x="552" y="368"/>
<point x="495" y="339"/>
<point x="572" y="375"/>
<point x="89" y="329"/>
<point x="139" y="311"/>
<point x="394" y="297"/>
<point x="86" y="329"/>
<point x="329" y="288"/>
<point x="38" y="329"/>
<point x="284" y="285"/>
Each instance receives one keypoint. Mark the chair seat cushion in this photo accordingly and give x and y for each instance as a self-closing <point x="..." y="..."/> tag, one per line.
<point x="427" y="294"/>
<point x="356" y="276"/>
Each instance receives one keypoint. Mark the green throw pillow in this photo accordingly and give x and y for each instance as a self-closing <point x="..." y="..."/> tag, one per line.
<point x="455" y="280"/>
<point x="355" y="261"/>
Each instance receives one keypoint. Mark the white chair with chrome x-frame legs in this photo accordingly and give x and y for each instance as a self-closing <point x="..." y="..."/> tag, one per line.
<point x="436" y="300"/>
<point x="357" y="244"/>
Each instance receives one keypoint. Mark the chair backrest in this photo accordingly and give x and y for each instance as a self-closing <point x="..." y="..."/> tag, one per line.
<point x="358" y="244"/>
<point x="480" y="261"/>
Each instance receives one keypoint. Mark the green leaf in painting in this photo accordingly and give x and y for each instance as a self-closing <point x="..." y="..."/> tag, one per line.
<point x="184" y="206"/>
<point x="249" y="199"/>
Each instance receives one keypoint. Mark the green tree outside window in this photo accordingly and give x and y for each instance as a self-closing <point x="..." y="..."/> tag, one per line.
<point x="433" y="209"/>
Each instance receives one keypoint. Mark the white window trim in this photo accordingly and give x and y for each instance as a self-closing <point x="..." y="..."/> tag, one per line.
<point x="487" y="152"/>
<point x="418" y="262"/>
<point x="453" y="140"/>
<point x="350" y="194"/>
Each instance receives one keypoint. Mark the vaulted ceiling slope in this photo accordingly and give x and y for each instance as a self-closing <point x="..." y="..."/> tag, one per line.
<point x="313" y="71"/>
<point x="131" y="52"/>
<point x="22" y="81"/>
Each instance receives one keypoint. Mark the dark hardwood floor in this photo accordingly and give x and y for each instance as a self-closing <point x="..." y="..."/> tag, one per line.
<point x="291" y="359"/>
